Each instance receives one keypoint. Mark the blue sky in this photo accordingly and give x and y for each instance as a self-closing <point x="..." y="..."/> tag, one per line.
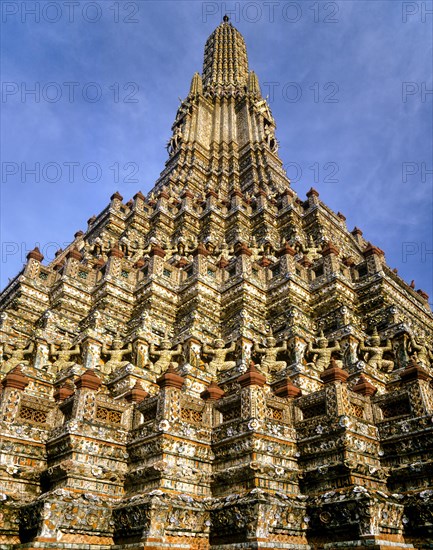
<point x="348" y="84"/>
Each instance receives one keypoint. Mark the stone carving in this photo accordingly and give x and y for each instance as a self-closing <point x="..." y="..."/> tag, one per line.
<point x="321" y="356"/>
<point x="175" y="140"/>
<point x="401" y="351"/>
<point x="165" y="355"/>
<point x="270" y="139"/>
<point x="63" y="356"/>
<point x="263" y="107"/>
<point x="270" y="351"/>
<point x="16" y="355"/>
<point x="116" y="354"/>
<point x="374" y="353"/>
<point x="219" y="353"/>
<point x="421" y="353"/>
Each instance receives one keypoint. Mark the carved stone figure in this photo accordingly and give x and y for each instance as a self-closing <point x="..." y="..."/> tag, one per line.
<point x="421" y="353"/>
<point x="270" y="351"/>
<point x="401" y="351"/>
<point x="323" y="353"/>
<point x="375" y="353"/>
<point x="270" y="139"/>
<point x="116" y="354"/>
<point x="297" y="348"/>
<point x="219" y="353"/>
<point x="63" y="355"/>
<point x="16" y="355"/>
<point x="165" y="355"/>
<point x="174" y="141"/>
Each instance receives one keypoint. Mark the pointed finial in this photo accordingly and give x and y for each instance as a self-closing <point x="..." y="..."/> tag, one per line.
<point x="253" y="83"/>
<point x="226" y="18"/>
<point x="196" y="85"/>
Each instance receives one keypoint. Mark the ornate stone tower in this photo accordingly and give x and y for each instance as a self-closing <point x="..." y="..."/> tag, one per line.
<point x="220" y="364"/>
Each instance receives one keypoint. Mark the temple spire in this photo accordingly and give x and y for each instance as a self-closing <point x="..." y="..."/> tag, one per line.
<point x="223" y="113"/>
<point x="225" y="58"/>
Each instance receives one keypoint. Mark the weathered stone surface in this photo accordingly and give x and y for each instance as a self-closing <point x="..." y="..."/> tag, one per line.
<point x="218" y="364"/>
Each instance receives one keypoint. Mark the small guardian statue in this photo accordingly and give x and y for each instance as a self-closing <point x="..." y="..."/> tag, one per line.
<point x="374" y="353"/>
<point x="323" y="353"/>
<point x="174" y="142"/>
<point x="420" y="352"/>
<point x="270" y="352"/>
<point x="16" y="355"/>
<point x="219" y="353"/>
<point x="63" y="356"/>
<point x="165" y="355"/>
<point x="116" y="354"/>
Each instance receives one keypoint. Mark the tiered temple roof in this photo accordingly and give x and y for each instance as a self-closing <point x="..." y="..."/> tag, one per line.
<point x="218" y="364"/>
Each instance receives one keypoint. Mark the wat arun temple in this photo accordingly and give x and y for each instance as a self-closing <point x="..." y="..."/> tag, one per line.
<point x="218" y="365"/>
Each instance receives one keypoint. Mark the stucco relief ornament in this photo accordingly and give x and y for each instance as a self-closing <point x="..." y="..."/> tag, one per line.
<point x="165" y="354"/>
<point x="163" y="426"/>
<point x="116" y="355"/>
<point x="63" y="356"/>
<point x="374" y="353"/>
<point x="257" y="445"/>
<point x="360" y="365"/>
<point x="12" y="469"/>
<point x="321" y="356"/>
<point x="358" y="489"/>
<point x="219" y="353"/>
<point x="325" y="517"/>
<point x="271" y="139"/>
<point x="173" y="143"/>
<point x="16" y="355"/>
<point x="188" y="383"/>
<point x="344" y="422"/>
<point x="253" y="424"/>
<point x="420" y="351"/>
<point x="270" y="352"/>
<point x="187" y="368"/>
<point x="97" y="471"/>
<point x="263" y="108"/>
